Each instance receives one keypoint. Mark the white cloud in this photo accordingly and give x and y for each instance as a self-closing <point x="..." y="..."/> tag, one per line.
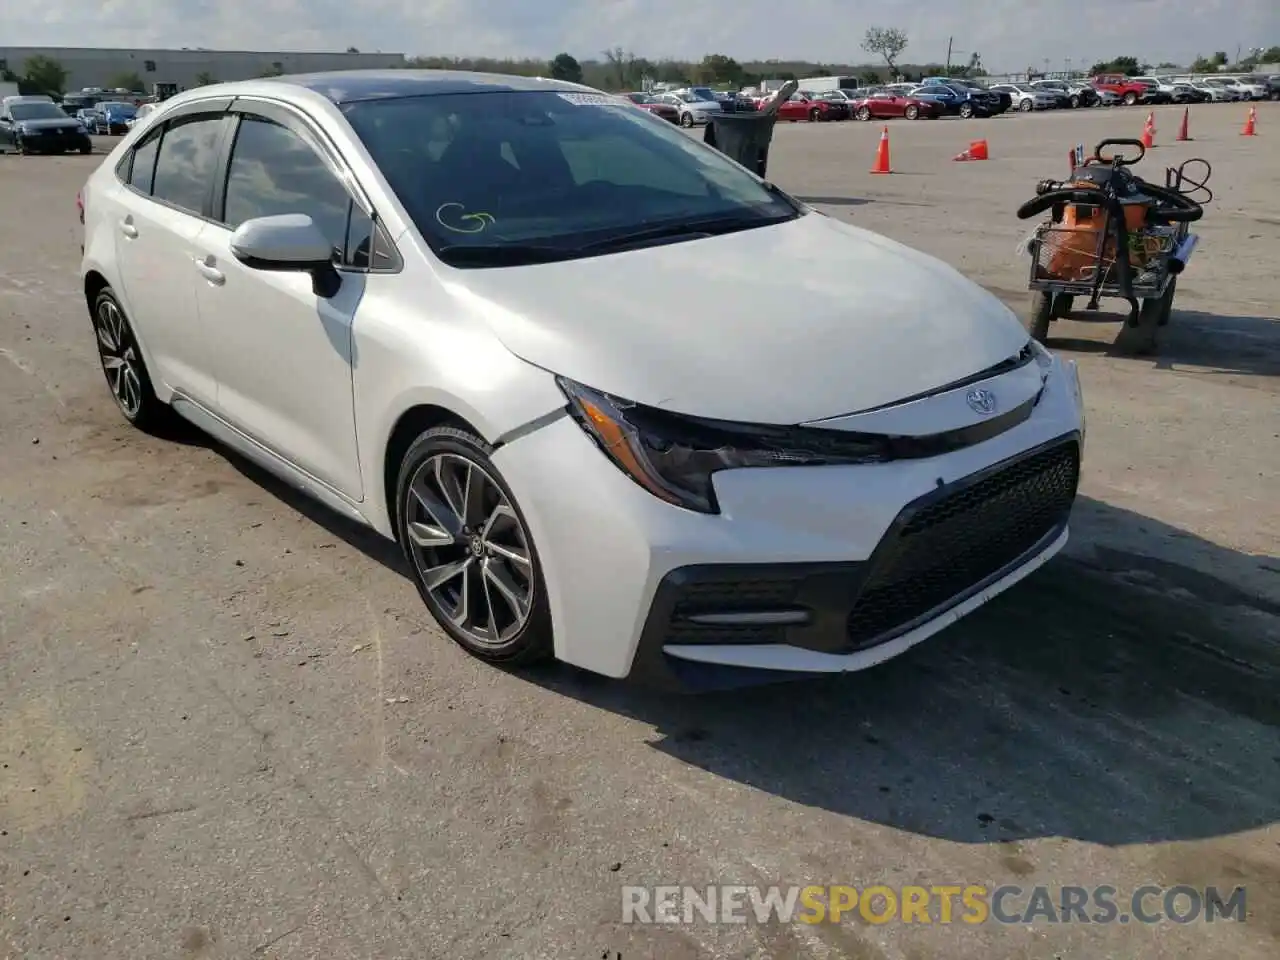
<point x="1010" y="34"/>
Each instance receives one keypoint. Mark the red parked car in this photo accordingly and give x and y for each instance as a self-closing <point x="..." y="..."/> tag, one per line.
<point x="1126" y="88"/>
<point x="878" y="106"/>
<point x="801" y="106"/>
<point x="659" y="109"/>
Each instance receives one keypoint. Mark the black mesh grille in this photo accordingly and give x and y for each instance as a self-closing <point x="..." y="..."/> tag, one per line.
<point x="949" y="546"/>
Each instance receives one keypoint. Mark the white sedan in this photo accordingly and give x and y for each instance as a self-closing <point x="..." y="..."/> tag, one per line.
<point x="521" y="328"/>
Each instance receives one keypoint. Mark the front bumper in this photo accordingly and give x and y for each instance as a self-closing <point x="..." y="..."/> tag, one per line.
<point x="806" y="569"/>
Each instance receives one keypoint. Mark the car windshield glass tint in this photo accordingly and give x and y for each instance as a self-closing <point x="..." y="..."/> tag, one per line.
<point x="547" y="168"/>
<point x="36" y="111"/>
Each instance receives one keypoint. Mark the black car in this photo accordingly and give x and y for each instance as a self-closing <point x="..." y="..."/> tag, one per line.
<point x="40" y="126"/>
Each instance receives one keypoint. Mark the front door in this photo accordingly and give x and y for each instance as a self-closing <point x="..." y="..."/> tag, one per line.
<point x="158" y="220"/>
<point x="284" y="355"/>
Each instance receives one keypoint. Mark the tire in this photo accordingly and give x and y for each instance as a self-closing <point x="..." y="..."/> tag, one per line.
<point x="1140" y="340"/>
<point x="1039" y="315"/>
<point x="1062" y="304"/>
<point x="815" y="115"/>
<point x="86" y="149"/>
<point x="912" y="112"/>
<point x="864" y="114"/>
<point x="966" y="110"/>
<point x="1075" y="102"/>
<point x="1130" y="99"/>
<point x="1026" y="106"/>
<point x="686" y="120"/>
<point x="124" y="367"/>
<point x="436" y="536"/>
<point x="1166" y="303"/>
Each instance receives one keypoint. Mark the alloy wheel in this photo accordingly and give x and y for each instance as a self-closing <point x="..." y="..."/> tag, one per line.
<point x="120" y="359"/>
<point x="470" y="548"/>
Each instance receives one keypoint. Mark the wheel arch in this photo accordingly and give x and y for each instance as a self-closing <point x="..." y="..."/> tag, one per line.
<point x="410" y="425"/>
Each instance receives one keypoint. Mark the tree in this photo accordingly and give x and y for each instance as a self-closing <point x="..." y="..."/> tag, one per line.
<point x="888" y="42"/>
<point x="127" y="81"/>
<point x="618" y="61"/>
<point x="1129" y="66"/>
<point x="717" y="68"/>
<point x="46" y="75"/>
<point x="204" y="78"/>
<point x="565" y="67"/>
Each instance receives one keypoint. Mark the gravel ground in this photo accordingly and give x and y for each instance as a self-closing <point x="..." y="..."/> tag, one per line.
<point x="228" y="729"/>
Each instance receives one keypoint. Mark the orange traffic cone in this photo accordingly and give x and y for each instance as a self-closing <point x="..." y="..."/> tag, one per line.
<point x="1182" y="129"/>
<point x="1148" y="135"/>
<point x="882" y="154"/>
<point x="1251" y="124"/>
<point x="978" y="150"/>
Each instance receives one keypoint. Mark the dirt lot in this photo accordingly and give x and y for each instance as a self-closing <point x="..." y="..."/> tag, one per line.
<point x="228" y="730"/>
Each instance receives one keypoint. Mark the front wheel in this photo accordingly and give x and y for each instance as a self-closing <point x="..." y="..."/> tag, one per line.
<point x="470" y="550"/>
<point x="1130" y="99"/>
<point x="1075" y="102"/>
<point x="864" y="113"/>
<point x="966" y="110"/>
<point x="815" y="115"/>
<point x="912" y="112"/>
<point x="1026" y="106"/>
<point x="686" y="120"/>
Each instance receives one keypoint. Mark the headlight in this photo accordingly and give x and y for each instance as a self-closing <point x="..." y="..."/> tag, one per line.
<point x="674" y="456"/>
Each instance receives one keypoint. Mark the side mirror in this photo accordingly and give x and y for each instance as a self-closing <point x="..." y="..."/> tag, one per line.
<point x="289" y="242"/>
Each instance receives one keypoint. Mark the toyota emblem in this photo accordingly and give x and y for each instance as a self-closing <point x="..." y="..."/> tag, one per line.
<point x="981" y="401"/>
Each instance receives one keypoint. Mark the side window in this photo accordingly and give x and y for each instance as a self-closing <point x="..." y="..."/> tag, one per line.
<point x="274" y="171"/>
<point x="142" y="172"/>
<point x="188" y="158"/>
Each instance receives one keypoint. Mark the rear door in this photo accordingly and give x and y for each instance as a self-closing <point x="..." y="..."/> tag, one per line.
<point x="159" y="212"/>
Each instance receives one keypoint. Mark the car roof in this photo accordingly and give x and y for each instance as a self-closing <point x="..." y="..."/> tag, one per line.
<point x="350" y="86"/>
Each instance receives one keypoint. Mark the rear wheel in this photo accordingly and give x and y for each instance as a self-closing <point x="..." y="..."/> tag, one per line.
<point x="122" y="362"/>
<point x="912" y="112"/>
<point x="1039" y="315"/>
<point x="864" y="113"/>
<point x="469" y="548"/>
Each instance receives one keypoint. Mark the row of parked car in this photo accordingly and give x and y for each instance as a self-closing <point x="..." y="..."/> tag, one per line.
<point x="949" y="96"/>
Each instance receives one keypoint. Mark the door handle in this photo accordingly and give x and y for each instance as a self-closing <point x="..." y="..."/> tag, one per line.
<point x="128" y="229"/>
<point x="210" y="272"/>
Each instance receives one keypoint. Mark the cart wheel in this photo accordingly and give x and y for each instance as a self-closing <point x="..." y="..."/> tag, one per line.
<point x="1166" y="308"/>
<point x="1062" y="305"/>
<point x="1140" y="340"/>
<point x="1038" y="315"/>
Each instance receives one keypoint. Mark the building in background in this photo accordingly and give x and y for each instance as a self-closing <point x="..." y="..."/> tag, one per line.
<point x="100" y="67"/>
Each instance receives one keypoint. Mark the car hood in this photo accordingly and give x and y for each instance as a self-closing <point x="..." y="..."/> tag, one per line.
<point x="53" y="123"/>
<point x="798" y="321"/>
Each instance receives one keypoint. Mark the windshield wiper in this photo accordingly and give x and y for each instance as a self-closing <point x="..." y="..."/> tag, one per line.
<point x="501" y="255"/>
<point x="686" y="229"/>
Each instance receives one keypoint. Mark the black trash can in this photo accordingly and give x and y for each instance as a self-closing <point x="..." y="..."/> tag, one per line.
<point x="743" y="137"/>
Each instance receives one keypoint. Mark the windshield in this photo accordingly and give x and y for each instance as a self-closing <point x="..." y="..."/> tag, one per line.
<point x="42" y="110"/>
<point x="113" y="107"/>
<point x="552" y="170"/>
<point x="703" y="93"/>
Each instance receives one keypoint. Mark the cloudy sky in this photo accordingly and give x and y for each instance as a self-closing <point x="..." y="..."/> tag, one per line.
<point x="1010" y="34"/>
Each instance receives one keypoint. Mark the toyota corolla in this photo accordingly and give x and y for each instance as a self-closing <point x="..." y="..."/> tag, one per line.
<point x="523" y="329"/>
